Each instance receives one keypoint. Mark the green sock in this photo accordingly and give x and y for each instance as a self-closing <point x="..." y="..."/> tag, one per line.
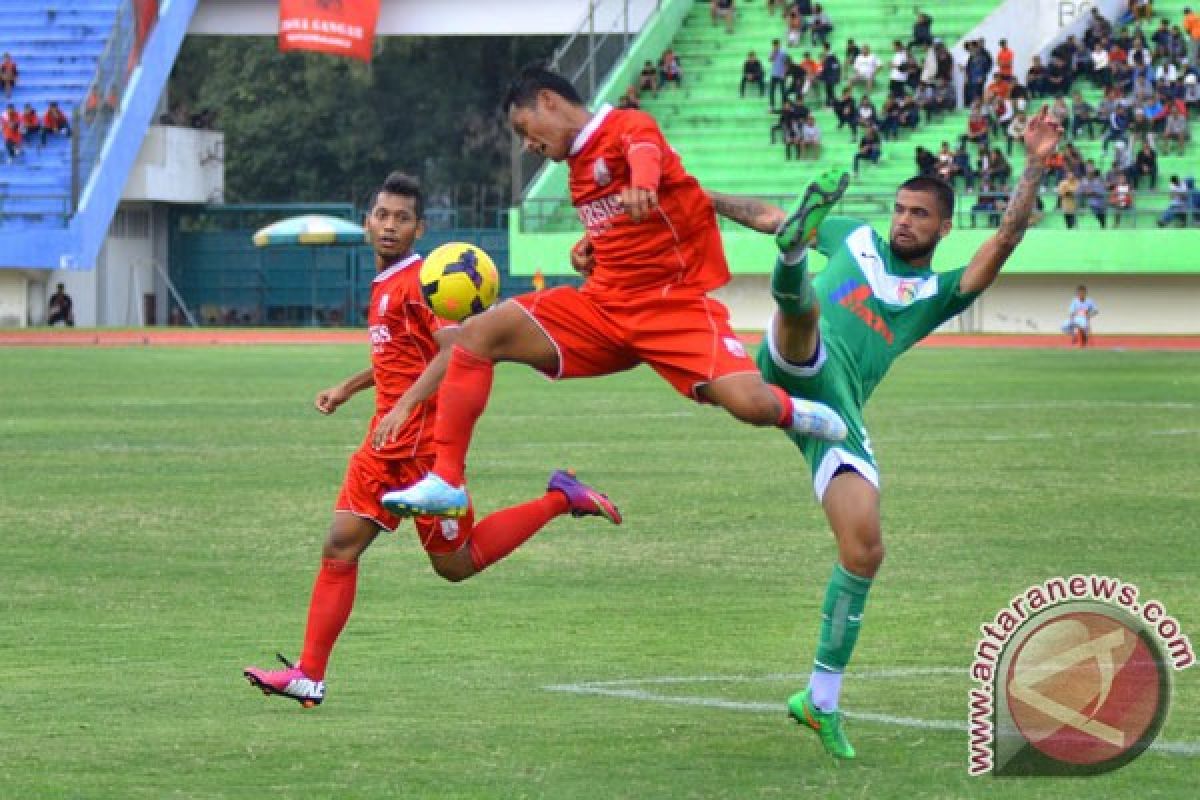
<point x="791" y="286"/>
<point x="841" y="618"/>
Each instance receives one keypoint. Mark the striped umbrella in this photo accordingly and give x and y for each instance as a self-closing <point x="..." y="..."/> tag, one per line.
<point x="310" y="229"/>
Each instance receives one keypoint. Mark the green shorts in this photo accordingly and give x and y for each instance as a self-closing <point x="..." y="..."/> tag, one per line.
<point x="829" y="380"/>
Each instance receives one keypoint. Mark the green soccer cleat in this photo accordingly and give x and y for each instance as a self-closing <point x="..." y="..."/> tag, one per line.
<point x="800" y="227"/>
<point x="827" y="724"/>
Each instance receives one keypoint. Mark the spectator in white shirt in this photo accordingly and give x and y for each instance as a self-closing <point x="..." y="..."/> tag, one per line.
<point x="898" y="77"/>
<point x="1101" y="73"/>
<point x="866" y="64"/>
<point x="810" y="138"/>
<point x="1166" y="73"/>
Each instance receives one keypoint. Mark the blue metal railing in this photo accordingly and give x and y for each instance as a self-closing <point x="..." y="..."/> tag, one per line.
<point x="95" y="112"/>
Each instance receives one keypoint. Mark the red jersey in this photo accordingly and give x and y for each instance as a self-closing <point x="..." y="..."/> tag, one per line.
<point x="1004" y="61"/>
<point x="401" y="327"/>
<point x="676" y="245"/>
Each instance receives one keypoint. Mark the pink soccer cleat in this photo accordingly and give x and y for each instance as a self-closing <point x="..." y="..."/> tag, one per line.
<point x="290" y="682"/>
<point x="583" y="499"/>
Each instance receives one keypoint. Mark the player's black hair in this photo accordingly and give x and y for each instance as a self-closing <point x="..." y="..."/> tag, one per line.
<point x="404" y="185"/>
<point x="943" y="191"/>
<point x="523" y="90"/>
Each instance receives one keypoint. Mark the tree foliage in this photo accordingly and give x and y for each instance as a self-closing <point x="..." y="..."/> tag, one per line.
<point x="312" y="127"/>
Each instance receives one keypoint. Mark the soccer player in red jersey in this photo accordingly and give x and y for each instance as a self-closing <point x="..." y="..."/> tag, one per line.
<point x="657" y="251"/>
<point x="408" y="358"/>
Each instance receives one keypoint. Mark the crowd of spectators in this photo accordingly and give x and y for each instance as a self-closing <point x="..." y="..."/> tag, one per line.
<point x="182" y="116"/>
<point x="28" y="126"/>
<point x="920" y="75"/>
<point x="1148" y="85"/>
<point x="653" y="77"/>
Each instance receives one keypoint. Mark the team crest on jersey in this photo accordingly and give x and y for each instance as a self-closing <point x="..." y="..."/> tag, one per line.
<point x="892" y="289"/>
<point x="601" y="172"/>
<point x="383" y="304"/>
<point x="906" y="290"/>
<point x="449" y="529"/>
<point x="735" y="347"/>
<point x="380" y="335"/>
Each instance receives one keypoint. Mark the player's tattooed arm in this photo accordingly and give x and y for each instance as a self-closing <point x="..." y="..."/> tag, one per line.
<point x="748" y="211"/>
<point x="1016" y="217"/>
<point x="1041" y="140"/>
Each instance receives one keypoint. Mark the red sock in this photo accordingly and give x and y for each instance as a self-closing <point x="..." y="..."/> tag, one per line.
<point x="785" y="402"/>
<point x="461" y="400"/>
<point x="332" y="599"/>
<point x="498" y="534"/>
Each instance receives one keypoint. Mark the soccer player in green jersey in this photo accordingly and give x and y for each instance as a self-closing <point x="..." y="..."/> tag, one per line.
<point x="835" y="336"/>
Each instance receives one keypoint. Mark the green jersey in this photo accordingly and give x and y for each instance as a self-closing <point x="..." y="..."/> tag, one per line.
<point x="874" y="306"/>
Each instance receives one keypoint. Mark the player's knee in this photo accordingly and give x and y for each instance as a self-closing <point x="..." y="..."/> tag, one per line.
<point x="339" y="551"/>
<point x="453" y="569"/>
<point x="472" y="339"/>
<point x="486" y="335"/>
<point x="452" y="574"/>
<point x="863" y="558"/>
<point x="347" y="540"/>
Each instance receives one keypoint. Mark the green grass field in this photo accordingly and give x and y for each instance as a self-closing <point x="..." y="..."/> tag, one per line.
<point x="161" y="511"/>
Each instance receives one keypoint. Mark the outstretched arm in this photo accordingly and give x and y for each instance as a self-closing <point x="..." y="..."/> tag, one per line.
<point x="1041" y="139"/>
<point x="748" y="211"/>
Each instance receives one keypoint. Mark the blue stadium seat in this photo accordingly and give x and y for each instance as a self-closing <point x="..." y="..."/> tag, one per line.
<point x="56" y="50"/>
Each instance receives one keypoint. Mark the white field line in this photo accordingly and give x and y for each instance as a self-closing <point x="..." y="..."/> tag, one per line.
<point x="626" y="689"/>
<point x="1033" y="436"/>
<point x="1059" y="404"/>
<point x="1064" y="405"/>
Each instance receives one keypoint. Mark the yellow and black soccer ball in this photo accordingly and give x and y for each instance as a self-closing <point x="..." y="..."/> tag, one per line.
<point x="459" y="280"/>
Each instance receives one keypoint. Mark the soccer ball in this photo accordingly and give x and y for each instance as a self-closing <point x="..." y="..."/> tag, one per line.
<point x="459" y="280"/>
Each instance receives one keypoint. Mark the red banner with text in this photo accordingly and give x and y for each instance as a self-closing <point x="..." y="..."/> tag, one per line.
<point x="340" y="27"/>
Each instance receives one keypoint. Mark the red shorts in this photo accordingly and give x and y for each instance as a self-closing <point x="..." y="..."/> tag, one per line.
<point x="368" y="477"/>
<point x="685" y="338"/>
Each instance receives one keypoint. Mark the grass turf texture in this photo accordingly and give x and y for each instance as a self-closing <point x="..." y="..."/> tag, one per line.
<point x="161" y="512"/>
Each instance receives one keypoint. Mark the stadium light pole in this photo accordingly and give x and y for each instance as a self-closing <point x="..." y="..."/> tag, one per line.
<point x="591" y="49"/>
<point x="515" y="173"/>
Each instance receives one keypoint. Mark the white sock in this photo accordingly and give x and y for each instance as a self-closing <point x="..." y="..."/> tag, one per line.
<point x="824" y="689"/>
<point x="795" y="256"/>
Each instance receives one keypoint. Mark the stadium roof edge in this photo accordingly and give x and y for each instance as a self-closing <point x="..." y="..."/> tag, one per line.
<point x="444" y="18"/>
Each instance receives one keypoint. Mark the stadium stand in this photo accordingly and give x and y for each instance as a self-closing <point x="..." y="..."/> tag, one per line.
<point x="725" y="139"/>
<point x="106" y="62"/>
<point x="57" y="50"/>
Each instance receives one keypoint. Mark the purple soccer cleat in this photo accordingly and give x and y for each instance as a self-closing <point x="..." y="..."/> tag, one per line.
<point x="290" y="682"/>
<point x="583" y="499"/>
